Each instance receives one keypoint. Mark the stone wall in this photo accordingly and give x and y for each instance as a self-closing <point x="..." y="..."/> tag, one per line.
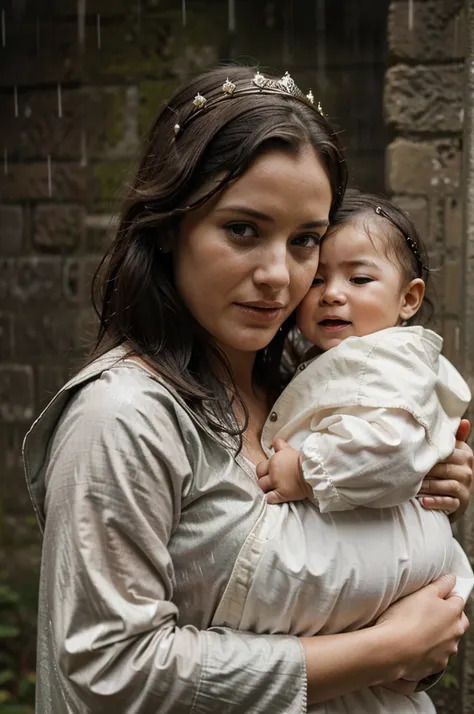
<point x="80" y="83"/>
<point x="424" y="110"/>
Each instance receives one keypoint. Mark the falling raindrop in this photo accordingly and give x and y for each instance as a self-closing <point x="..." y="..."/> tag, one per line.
<point x="15" y="100"/>
<point x="83" y="149"/>
<point x="456" y="36"/>
<point x="60" y="102"/>
<point x="99" y="39"/>
<point x="410" y="15"/>
<point x="139" y="15"/>
<point x="37" y="33"/>
<point x="81" y="22"/>
<point x="321" y="43"/>
<point x="287" y="30"/>
<point x="231" y="16"/>
<point x="183" y="11"/>
<point x="50" y="182"/>
<point x="5" y="162"/>
<point x="4" y="34"/>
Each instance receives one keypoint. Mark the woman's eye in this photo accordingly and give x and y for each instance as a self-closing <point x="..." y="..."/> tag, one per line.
<point x="316" y="282"/>
<point x="240" y="230"/>
<point x="307" y="241"/>
<point x="361" y="280"/>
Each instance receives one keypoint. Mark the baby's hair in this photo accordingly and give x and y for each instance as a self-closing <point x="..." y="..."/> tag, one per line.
<point x="402" y="240"/>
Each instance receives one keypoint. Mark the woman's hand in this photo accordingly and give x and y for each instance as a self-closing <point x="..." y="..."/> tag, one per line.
<point x="428" y="624"/>
<point x="448" y="485"/>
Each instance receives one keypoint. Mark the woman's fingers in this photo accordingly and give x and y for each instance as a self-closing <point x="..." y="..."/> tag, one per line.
<point x="441" y="503"/>
<point x="463" y="430"/>
<point x="440" y="487"/>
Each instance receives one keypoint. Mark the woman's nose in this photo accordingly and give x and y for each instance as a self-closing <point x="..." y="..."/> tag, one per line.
<point x="273" y="270"/>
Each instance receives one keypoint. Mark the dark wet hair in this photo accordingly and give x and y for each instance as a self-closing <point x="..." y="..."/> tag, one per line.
<point x="402" y="240"/>
<point x="134" y="289"/>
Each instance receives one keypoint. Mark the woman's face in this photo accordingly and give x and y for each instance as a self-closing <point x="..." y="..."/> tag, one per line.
<point x="246" y="258"/>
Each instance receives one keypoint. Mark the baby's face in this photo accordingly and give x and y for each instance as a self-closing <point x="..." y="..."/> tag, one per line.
<point x="357" y="289"/>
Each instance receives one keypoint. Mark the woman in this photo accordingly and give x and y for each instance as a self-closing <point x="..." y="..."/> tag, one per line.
<point x="142" y="467"/>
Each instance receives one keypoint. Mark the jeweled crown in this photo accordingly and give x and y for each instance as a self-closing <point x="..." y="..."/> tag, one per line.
<point x="259" y="84"/>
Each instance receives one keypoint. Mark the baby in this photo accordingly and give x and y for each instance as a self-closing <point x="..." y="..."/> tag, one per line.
<point x="369" y="434"/>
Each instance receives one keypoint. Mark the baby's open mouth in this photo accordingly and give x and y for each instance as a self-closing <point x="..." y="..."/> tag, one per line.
<point x="334" y="322"/>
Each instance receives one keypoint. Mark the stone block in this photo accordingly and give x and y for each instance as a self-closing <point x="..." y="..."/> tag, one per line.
<point x="108" y="182"/>
<point x="27" y="281"/>
<point x="451" y="334"/>
<point x="425" y="99"/>
<point x="58" y="228"/>
<point x="34" y="50"/>
<point x="423" y="167"/>
<point x="417" y="209"/>
<point x="17" y="523"/>
<point x="88" y="324"/>
<point x="72" y="280"/>
<point x="76" y="124"/>
<point x="438" y="30"/>
<point x="100" y="230"/>
<point x="128" y="52"/>
<point x="46" y="334"/>
<point x="11" y="230"/>
<point x="153" y="96"/>
<point x="16" y="393"/>
<point x="6" y="336"/>
<point x="39" y="181"/>
<point x="77" y="278"/>
<point x="49" y="380"/>
<point x="453" y="230"/>
<point x="452" y="277"/>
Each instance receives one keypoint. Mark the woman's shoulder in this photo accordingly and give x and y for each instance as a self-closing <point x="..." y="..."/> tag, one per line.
<point x="112" y="387"/>
<point x="111" y="398"/>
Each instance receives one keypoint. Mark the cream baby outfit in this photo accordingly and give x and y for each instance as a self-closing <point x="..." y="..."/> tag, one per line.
<point x="371" y="417"/>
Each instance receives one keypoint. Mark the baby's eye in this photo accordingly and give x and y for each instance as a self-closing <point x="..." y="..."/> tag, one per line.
<point x="317" y="281"/>
<point x="307" y="241"/>
<point x="361" y="280"/>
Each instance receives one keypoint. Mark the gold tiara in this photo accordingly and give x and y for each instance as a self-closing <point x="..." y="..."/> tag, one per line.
<point x="259" y="84"/>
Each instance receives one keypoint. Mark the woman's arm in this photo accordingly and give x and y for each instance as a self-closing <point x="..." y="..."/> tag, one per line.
<point x="114" y="496"/>
<point x="403" y="643"/>
<point x="117" y="476"/>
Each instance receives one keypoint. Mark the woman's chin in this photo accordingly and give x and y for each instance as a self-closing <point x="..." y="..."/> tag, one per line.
<point x="249" y="340"/>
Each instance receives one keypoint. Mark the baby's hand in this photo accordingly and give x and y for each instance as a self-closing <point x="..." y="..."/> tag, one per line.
<point x="281" y="476"/>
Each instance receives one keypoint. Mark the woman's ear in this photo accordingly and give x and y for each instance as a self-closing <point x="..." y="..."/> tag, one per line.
<point x="412" y="297"/>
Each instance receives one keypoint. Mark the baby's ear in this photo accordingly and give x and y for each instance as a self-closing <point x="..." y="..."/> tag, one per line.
<point x="412" y="297"/>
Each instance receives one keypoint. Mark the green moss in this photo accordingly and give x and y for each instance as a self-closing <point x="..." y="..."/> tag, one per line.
<point x="115" y="118"/>
<point x="109" y="180"/>
<point x="152" y="97"/>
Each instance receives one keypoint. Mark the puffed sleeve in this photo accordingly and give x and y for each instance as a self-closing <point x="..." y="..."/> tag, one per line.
<point x="363" y="456"/>
<point x="116" y="478"/>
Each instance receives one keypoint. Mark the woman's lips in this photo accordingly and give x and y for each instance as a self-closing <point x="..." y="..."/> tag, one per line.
<point x="260" y="314"/>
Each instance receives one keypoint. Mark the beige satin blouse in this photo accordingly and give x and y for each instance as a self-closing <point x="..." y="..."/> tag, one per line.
<point x="144" y="516"/>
